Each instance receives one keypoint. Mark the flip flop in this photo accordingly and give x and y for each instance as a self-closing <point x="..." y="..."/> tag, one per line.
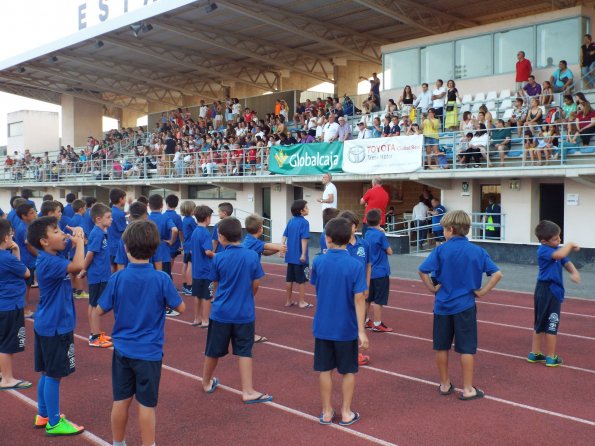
<point x="450" y="390"/>
<point x="18" y="386"/>
<point x="324" y="422"/>
<point x="291" y="304"/>
<point x="478" y="394"/>
<point x="355" y="419"/>
<point x="195" y="324"/>
<point x="263" y="398"/>
<point x="214" y="385"/>
<point x="260" y="339"/>
<point x="201" y="325"/>
<point x="307" y="307"/>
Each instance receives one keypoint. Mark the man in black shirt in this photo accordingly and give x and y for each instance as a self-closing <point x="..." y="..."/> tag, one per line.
<point x="170" y="151"/>
<point x="587" y="61"/>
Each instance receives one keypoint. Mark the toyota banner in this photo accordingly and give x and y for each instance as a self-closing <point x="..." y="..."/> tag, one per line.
<point x="398" y="154"/>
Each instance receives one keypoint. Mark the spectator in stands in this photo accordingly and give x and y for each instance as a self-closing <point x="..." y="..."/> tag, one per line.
<point x="376" y="128"/>
<point x="374" y="88"/>
<point x="568" y="109"/>
<point x="587" y="61"/>
<point x="467" y="124"/>
<point x="344" y="133"/>
<point x="424" y="100"/>
<point x="391" y="107"/>
<point x="534" y="116"/>
<point x="500" y="139"/>
<point x="363" y="131"/>
<point x="431" y="127"/>
<point x="562" y="80"/>
<point x="386" y="126"/>
<point x="452" y="111"/>
<point x="370" y="105"/>
<point x="523" y="70"/>
<point x="529" y="146"/>
<point x="488" y="118"/>
<point x="405" y="125"/>
<point x="547" y="143"/>
<point x="585" y="120"/>
<point x="531" y="88"/>
<point x="547" y="96"/>
<point x="394" y="130"/>
<point x="438" y="99"/>
<point x="519" y="115"/>
<point x="477" y="146"/>
<point x="330" y="130"/>
<point x="414" y="130"/>
<point x="406" y="101"/>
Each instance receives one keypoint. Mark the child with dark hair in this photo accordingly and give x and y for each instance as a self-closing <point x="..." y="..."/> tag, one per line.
<point x="549" y="291"/>
<point x="77" y="221"/>
<point x="138" y="334"/>
<point x="202" y="255"/>
<point x="25" y="214"/>
<point x="137" y="211"/>
<point x="236" y="274"/>
<point x="98" y="270"/>
<point x="340" y="282"/>
<point x="13" y="274"/>
<point x="69" y="208"/>
<point x="172" y="203"/>
<point x="88" y="224"/>
<point x="327" y="215"/>
<point x="380" y="275"/>
<point x="188" y="226"/>
<point x="13" y="208"/>
<point x="167" y="231"/>
<point x="54" y="320"/>
<point x="117" y="198"/>
<point x="295" y="237"/>
<point x="225" y="210"/>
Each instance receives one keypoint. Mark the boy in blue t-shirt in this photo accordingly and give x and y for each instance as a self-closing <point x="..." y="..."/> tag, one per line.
<point x="55" y="320"/>
<point x="295" y="237"/>
<point x="77" y="221"/>
<point x="171" y="202"/>
<point x="327" y="215"/>
<point x="549" y="291"/>
<point x="136" y="211"/>
<point x="380" y="274"/>
<point x="139" y="329"/>
<point x="359" y="249"/>
<point x="88" y="224"/>
<point x="69" y="208"/>
<point x="98" y="270"/>
<point x="455" y="312"/>
<point x="12" y="214"/>
<point x="224" y="210"/>
<point x="437" y="213"/>
<point x="167" y="230"/>
<point x="13" y="274"/>
<point x="25" y="214"/>
<point x="188" y="226"/>
<point x="340" y="282"/>
<point x="202" y="254"/>
<point x="117" y="198"/>
<point x="236" y="274"/>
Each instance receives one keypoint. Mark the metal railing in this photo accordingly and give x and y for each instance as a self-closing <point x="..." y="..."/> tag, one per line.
<point x="267" y="224"/>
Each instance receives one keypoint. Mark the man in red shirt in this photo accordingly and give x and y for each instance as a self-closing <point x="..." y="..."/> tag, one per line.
<point x="375" y="198"/>
<point x="523" y="70"/>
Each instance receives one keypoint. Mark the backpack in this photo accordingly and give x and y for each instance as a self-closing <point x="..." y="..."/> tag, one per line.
<point x="553" y="115"/>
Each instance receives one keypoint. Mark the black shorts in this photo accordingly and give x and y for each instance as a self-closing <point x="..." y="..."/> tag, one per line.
<point x="461" y="326"/>
<point x="12" y="331"/>
<point x="379" y="289"/>
<point x="202" y="288"/>
<point x="54" y="355"/>
<point x="166" y="267"/>
<point x="174" y="253"/>
<point x="439" y="236"/>
<point x="187" y="257"/>
<point x="220" y="334"/>
<point x="547" y="309"/>
<point x="112" y="260"/>
<point x="340" y="355"/>
<point x="135" y="377"/>
<point x="31" y="280"/>
<point x="95" y="292"/>
<point x="297" y="273"/>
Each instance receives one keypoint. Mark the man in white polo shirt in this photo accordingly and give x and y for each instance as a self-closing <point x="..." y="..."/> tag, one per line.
<point x="330" y="130"/>
<point x="438" y="99"/>
<point x="329" y="196"/>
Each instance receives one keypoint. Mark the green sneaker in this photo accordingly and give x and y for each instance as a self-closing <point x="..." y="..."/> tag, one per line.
<point x="63" y="428"/>
<point x="535" y="357"/>
<point x="553" y="361"/>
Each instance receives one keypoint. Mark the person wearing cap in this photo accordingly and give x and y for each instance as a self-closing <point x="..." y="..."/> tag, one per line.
<point x="344" y="130"/>
<point x="364" y="132"/>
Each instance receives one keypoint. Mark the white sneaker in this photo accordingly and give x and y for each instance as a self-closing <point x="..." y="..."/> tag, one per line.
<point x="172" y="313"/>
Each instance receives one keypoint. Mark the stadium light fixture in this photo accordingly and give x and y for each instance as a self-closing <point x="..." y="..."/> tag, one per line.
<point x="21" y="70"/>
<point x="52" y="59"/>
<point x="211" y="7"/>
<point x="140" y="27"/>
<point x="99" y="44"/>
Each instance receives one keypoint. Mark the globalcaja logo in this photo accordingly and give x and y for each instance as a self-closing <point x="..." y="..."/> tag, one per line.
<point x="357" y="154"/>
<point x="280" y="158"/>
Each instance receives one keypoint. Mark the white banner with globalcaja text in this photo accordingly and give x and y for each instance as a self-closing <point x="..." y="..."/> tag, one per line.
<point x="397" y="154"/>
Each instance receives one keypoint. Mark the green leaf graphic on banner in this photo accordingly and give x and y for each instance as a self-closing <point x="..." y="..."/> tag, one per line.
<point x="306" y="159"/>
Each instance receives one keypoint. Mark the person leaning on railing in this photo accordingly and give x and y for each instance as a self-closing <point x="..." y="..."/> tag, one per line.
<point x="585" y="121"/>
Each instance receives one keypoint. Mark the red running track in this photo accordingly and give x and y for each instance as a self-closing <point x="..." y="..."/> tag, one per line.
<point x="396" y="395"/>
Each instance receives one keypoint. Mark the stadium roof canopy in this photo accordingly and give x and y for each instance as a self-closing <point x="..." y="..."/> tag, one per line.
<point x="203" y="46"/>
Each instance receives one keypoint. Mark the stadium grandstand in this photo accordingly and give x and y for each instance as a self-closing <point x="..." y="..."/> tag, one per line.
<point x="251" y="102"/>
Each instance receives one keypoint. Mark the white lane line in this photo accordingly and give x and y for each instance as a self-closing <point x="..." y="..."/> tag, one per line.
<point x="500" y="324"/>
<point x="87" y="434"/>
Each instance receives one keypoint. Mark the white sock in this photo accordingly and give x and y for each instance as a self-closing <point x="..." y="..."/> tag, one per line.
<point x="120" y="443"/>
<point x="377" y="324"/>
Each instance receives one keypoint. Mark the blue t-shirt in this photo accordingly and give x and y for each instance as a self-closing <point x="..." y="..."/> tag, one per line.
<point x="550" y="270"/>
<point x="201" y="263"/>
<point x="297" y="229"/>
<point x="68" y="211"/>
<point x="11" y="216"/>
<point x="360" y="250"/>
<point x="100" y="268"/>
<point x="139" y="317"/>
<point x="20" y="236"/>
<point x="88" y="223"/>
<point x="458" y="266"/>
<point x="177" y="221"/>
<point x="1" y="213"/>
<point x="164" y="226"/>
<point x="76" y="221"/>
<point x="378" y="256"/>
<point x="322" y="242"/>
<point x="337" y="277"/>
<point x="63" y="222"/>
<point x="55" y="312"/>
<point x="188" y="226"/>
<point x="215" y="238"/>
<point x="116" y="229"/>
<point x="436" y="228"/>
<point x="122" y="258"/>
<point x="254" y="244"/>
<point x="12" y="282"/>
<point x="234" y="269"/>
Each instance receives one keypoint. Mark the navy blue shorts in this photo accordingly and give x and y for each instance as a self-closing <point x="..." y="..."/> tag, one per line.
<point x="135" y="377"/>
<point x="112" y="259"/>
<point x="95" y="292"/>
<point x="174" y="253"/>
<point x="340" y="355"/>
<point x="187" y="257"/>
<point x="461" y="326"/>
<point x="166" y="268"/>
<point x="379" y="289"/>
<point x="439" y="236"/>
<point x="202" y="288"/>
<point x="54" y="355"/>
<point x="220" y="334"/>
<point x="31" y="280"/>
<point x="12" y="331"/>
<point x="297" y="273"/>
<point x="547" y="309"/>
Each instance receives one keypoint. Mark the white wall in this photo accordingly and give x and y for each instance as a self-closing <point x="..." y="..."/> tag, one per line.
<point x="40" y="131"/>
<point x="578" y="220"/>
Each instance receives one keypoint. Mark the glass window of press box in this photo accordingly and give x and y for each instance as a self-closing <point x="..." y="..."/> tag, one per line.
<point x="484" y="55"/>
